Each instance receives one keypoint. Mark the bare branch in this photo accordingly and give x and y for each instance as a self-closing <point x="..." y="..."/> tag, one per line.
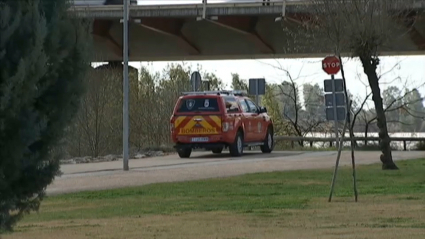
<point x="359" y="110"/>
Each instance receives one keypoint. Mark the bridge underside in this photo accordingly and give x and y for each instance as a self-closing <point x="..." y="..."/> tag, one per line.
<point x="228" y="37"/>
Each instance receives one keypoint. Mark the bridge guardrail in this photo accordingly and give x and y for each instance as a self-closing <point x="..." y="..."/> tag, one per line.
<point x="311" y="140"/>
<point x="179" y="2"/>
<point x="417" y="3"/>
<point x="196" y="10"/>
<point x="97" y="4"/>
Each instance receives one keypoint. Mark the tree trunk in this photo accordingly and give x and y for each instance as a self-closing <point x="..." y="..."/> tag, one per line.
<point x="369" y="66"/>
<point x="352" y="137"/>
<point x="301" y="143"/>
<point x="366" y="130"/>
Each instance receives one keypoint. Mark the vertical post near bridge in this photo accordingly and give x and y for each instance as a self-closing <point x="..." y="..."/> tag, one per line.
<point x="125" y="115"/>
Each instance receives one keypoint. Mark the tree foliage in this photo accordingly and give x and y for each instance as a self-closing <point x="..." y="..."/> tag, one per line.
<point x="314" y="99"/>
<point x="43" y="58"/>
<point x="152" y="99"/>
<point x="413" y="111"/>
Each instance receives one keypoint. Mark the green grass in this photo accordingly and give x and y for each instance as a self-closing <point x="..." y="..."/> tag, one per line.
<point x="253" y="193"/>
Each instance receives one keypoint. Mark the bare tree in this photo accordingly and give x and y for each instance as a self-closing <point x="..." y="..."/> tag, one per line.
<point x="395" y="104"/>
<point x="301" y="121"/>
<point x="94" y="131"/>
<point x="361" y="29"/>
<point x="143" y="110"/>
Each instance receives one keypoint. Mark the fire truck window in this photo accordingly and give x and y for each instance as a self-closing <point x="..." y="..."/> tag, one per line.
<point x="231" y="104"/>
<point x="244" y="106"/>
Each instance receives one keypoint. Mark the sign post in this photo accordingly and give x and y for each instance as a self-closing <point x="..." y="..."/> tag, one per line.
<point x="331" y="65"/>
<point x="335" y="111"/>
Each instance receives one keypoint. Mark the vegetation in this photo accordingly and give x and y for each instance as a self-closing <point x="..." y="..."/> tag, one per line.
<point x="361" y="29"/>
<point x="43" y="58"/>
<point x="97" y="130"/>
<point x="420" y="145"/>
<point x="249" y="199"/>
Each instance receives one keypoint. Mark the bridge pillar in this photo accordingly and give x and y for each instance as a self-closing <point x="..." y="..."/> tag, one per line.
<point x="115" y="68"/>
<point x="118" y="66"/>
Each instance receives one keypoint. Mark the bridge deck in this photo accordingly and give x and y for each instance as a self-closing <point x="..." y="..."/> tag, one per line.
<point x="185" y="10"/>
<point x="229" y="31"/>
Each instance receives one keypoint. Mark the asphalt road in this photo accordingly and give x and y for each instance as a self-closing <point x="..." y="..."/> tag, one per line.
<point x="107" y="175"/>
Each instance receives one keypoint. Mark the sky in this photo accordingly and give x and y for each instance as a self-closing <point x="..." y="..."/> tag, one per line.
<point x="401" y="71"/>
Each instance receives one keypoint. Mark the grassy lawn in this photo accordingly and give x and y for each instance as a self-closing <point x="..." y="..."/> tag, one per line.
<point x="263" y="205"/>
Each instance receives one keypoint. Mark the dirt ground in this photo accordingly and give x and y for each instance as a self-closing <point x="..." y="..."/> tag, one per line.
<point x="390" y="217"/>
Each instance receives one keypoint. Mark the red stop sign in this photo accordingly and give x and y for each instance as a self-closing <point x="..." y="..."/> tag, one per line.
<point x="331" y="65"/>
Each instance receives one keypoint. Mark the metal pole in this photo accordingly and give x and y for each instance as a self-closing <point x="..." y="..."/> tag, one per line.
<point x="125" y="116"/>
<point x="204" y="9"/>
<point x="335" y="112"/>
<point x="283" y="8"/>
<point x="338" y="157"/>
<point x="256" y="92"/>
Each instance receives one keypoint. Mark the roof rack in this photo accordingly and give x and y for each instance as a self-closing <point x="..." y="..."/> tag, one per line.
<point x="218" y="92"/>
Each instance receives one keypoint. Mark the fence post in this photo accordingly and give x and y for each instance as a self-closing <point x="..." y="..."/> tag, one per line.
<point x="404" y="145"/>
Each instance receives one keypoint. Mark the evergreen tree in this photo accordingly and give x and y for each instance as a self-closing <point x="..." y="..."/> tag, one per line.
<point x="314" y="101"/>
<point x="392" y="103"/>
<point x="290" y="96"/>
<point x="214" y="82"/>
<point x="43" y="61"/>
<point x="238" y="83"/>
<point x="414" y="112"/>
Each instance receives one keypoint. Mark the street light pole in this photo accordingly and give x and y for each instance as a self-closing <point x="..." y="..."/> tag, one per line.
<point x="125" y="116"/>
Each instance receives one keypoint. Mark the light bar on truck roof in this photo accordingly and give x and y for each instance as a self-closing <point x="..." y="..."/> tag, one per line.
<point x="240" y="92"/>
<point x="218" y="92"/>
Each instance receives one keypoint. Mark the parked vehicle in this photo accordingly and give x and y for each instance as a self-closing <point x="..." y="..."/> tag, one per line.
<point x="215" y="120"/>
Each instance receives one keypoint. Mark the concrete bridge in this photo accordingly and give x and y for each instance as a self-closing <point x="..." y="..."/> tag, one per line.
<point x="238" y="29"/>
